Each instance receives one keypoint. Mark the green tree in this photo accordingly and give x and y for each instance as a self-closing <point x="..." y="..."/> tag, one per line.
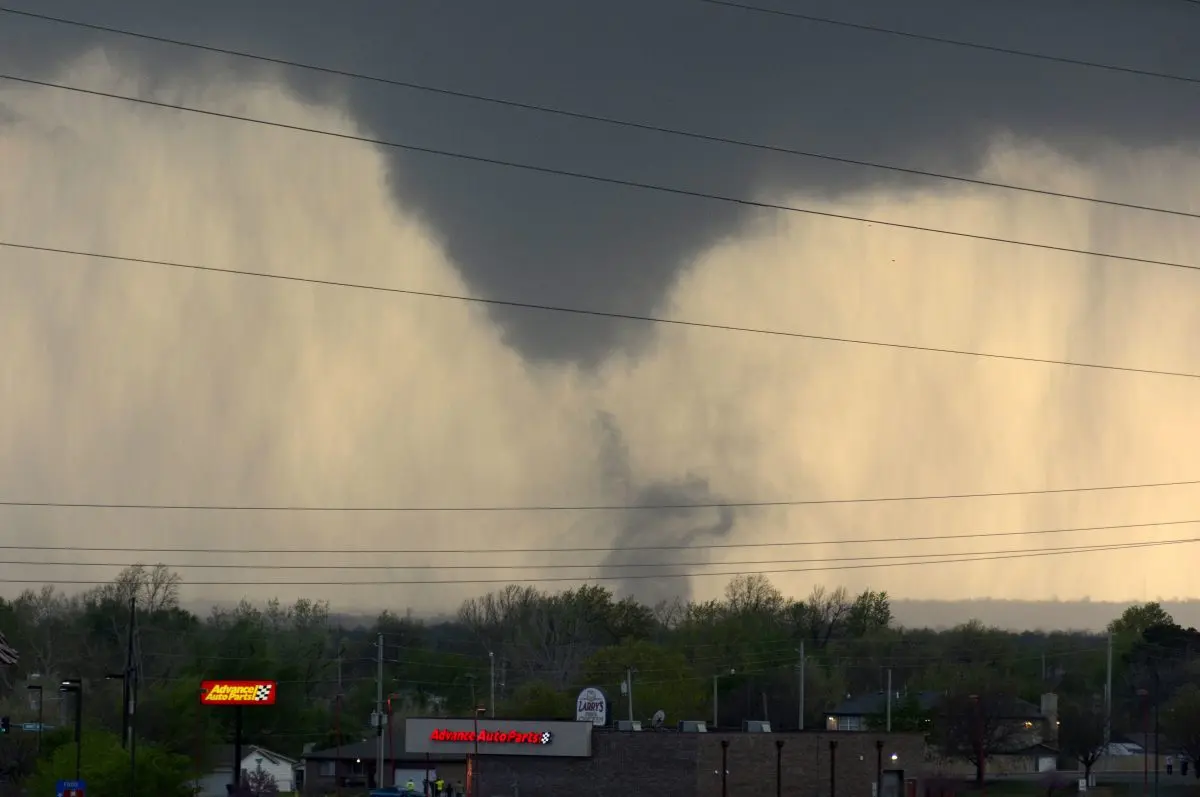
<point x="662" y="680"/>
<point x="870" y="612"/>
<point x="1134" y="621"/>
<point x="907" y="717"/>
<point x="539" y="700"/>
<point x="106" y="769"/>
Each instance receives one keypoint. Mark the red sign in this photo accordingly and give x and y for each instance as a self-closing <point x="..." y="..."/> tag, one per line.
<point x="492" y="737"/>
<point x="238" y="693"/>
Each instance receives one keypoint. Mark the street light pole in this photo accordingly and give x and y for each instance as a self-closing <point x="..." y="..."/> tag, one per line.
<point x="716" y="698"/>
<point x="40" y="699"/>
<point x="75" y="686"/>
<point x="474" y="780"/>
<point x="492" y="674"/>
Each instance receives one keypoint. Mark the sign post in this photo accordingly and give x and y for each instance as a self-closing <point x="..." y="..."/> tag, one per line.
<point x="238" y="694"/>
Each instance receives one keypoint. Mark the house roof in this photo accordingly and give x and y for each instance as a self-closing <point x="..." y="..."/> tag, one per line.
<point x="875" y="703"/>
<point x="1039" y="749"/>
<point x="1146" y="742"/>
<point x="220" y="757"/>
<point x="367" y="749"/>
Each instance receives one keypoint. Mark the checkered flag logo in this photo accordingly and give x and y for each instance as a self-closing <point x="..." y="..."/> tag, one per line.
<point x="263" y="693"/>
<point x="546" y="737"/>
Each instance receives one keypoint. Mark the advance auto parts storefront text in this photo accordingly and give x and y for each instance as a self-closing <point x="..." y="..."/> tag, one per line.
<point x="498" y="737"/>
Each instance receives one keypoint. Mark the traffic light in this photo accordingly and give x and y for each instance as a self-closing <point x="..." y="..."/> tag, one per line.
<point x="4" y="725"/>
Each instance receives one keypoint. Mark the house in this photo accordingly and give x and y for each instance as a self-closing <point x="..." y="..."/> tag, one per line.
<point x="865" y="711"/>
<point x="1031" y="731"/>
<point x="254" y="759"/>
<point x="354" y="764"/>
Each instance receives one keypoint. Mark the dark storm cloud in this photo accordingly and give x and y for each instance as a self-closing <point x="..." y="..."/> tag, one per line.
<point x="679" y="63"/>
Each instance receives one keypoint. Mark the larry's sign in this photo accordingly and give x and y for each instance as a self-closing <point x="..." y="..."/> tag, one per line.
<point x="592" y="706"/>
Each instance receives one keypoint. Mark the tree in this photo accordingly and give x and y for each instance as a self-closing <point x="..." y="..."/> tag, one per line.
<point x="1136" y="619"/>
<point x="975" y="724"/>
<point x="1181" y="721"/>
<point x="1081" y="732"/>
<point x="539" y="700"/>
<point x="870" y="612"/>
<point x="261" y="783"/>
<point x="908" y="716"/>
<point x="822" y="615"/>
<point x="662" y="679"/>
<point x="106" y="769"/>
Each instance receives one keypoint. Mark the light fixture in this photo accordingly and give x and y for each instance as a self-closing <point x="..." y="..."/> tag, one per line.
<point x="894" y="756"/>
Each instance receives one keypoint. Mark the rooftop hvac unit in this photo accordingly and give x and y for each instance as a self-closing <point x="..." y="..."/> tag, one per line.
<point x="629" y="725"/>
<point x="756" y="726"/>
<point x="693" y="726"/>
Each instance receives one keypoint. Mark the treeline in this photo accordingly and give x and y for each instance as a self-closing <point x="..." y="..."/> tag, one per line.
<point x="543" y="647"/>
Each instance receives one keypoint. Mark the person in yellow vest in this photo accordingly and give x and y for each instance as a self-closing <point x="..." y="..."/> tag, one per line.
<point x="439" y="786"/>
<point x="410" y="786"/>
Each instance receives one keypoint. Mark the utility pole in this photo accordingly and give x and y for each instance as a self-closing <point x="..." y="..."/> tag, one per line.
<point x="1108" y="701"/>
<point x="379" y="716"/>
<point x="629" y="689"/>
<point x="800" y="713"/>
<point x="492" y="668"/>
<point x="716" y="713"/>
<point x="889" y="705"/>
<point x="132" y="678"/>
<point x="126" y="694"/>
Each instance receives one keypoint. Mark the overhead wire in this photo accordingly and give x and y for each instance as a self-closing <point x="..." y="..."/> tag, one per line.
<point x="598" y="565"/>
<point x="640" y="576"/>
<point x="607" y="120"/>
<point x="611" y="315"/>
<point x="586" y="176"/>
<point x="933" y="39"/>
<point x="637" y="185"/>
<point x="582" y="508"/>
<point x="600" y="549"/>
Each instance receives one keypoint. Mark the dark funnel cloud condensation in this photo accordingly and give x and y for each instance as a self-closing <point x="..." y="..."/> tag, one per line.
<point x="299" y="402"/>
<point x="677" y="63"/>
<point x="668" y="527"/>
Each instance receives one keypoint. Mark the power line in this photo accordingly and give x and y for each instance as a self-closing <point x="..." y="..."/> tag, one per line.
<point x="598" y="118"/>
<point x="609" y="549"/>
<point x="924" y="37"/>
<point x="584" y="507"/>
<point x="597" y="178"/>
<point x="599" y="313"/>
<point x="635" y="576"/>
<point x="608" y="566"/>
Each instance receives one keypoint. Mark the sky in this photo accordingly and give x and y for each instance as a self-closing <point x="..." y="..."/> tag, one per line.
<point x="128" y="383"/>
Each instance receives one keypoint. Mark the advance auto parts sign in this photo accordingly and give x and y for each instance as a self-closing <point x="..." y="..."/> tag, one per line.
<point x="497" y="737"/>
<point x="238" y="693"/>
<point x="591" y="706"/>
<point x="492" y="737"/>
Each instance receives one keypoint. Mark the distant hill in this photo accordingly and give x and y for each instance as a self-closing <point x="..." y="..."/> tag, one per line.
<point x="1014" y="615"/>
<point x="1028" y="615"/>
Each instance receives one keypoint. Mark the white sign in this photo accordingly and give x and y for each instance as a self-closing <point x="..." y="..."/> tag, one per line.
<point x="591" y="706"/>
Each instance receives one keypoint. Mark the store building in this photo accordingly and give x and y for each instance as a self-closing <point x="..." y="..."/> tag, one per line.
<point x="522" y="758"/>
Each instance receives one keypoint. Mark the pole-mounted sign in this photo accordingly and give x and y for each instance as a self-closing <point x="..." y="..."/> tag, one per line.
<point x="70" y="788"/>
<point x="238" y="693"/>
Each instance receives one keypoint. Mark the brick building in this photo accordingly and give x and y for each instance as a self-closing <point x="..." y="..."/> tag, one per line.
<point x="578" y="760"/>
